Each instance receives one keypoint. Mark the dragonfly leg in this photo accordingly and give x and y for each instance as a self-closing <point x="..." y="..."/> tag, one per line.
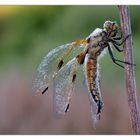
<point x="117" y="60"/>
<point x="120" y="43"/>
<point x="118" y="38"/>
<point x="117" y="48"/>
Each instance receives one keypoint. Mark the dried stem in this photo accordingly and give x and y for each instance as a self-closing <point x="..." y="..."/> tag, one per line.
<point x="129" y="69"/>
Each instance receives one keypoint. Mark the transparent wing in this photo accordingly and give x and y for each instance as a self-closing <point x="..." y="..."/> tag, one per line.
<point x="51" y="63"/>
<point x="64" y="85"/>
<point x="91" y="72"/>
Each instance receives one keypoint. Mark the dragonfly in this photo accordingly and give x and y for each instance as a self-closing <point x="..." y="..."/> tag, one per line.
<point x="57" y="71"/>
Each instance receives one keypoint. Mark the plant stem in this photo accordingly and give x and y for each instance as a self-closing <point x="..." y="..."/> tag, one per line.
<point x="129" y="69"/>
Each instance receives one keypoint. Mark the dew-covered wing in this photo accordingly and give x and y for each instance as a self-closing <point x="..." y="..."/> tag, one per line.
<point x="50" y="65"/>
<point x="64" y="85"/>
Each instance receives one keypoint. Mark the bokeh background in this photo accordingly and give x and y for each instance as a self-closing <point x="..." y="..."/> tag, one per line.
<point x="27" y="33"/>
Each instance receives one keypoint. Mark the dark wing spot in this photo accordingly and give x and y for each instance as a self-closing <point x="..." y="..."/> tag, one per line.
<point x="60" y="64"/>
<point x="44" y="90"/>
<point x="67" y="107"/>
<point x="82" y="60"/>
<point x="88" y="40"/>
<point x="74" y="78"/>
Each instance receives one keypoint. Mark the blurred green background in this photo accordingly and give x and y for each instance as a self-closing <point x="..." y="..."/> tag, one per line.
<point x="27" y="33"/>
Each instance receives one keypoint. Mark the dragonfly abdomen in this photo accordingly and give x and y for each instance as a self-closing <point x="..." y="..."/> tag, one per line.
<point x="93" y="82"/>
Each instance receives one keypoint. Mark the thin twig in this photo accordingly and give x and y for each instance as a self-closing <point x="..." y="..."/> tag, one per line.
<point x="129" y="69"/>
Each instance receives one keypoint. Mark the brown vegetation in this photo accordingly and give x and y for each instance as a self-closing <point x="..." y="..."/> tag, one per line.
<point x="23" y="113"/>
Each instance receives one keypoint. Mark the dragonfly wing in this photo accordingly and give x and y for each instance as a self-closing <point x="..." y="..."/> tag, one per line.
<point x="51" y="63"/>
<point x="64" y="85"/>
<point x="49" y="67"/>
<point x="91" y="72"/>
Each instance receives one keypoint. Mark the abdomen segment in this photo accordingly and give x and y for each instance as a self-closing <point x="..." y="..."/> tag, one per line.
<point x="92" y="80"/>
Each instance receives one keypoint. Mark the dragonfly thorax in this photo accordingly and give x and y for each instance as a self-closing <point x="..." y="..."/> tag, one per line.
<point x="95" y="37"/>
<point x="97" y="41"/>
<point x="100" y="38"/>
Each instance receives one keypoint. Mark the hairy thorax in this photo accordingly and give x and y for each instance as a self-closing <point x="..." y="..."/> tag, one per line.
<point x="97" y="42"/>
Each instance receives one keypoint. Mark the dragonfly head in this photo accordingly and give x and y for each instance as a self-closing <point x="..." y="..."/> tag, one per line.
<point x="111" y="27"/>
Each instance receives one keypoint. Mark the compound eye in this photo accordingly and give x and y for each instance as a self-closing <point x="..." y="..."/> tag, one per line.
<point x="108" y="25"/>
